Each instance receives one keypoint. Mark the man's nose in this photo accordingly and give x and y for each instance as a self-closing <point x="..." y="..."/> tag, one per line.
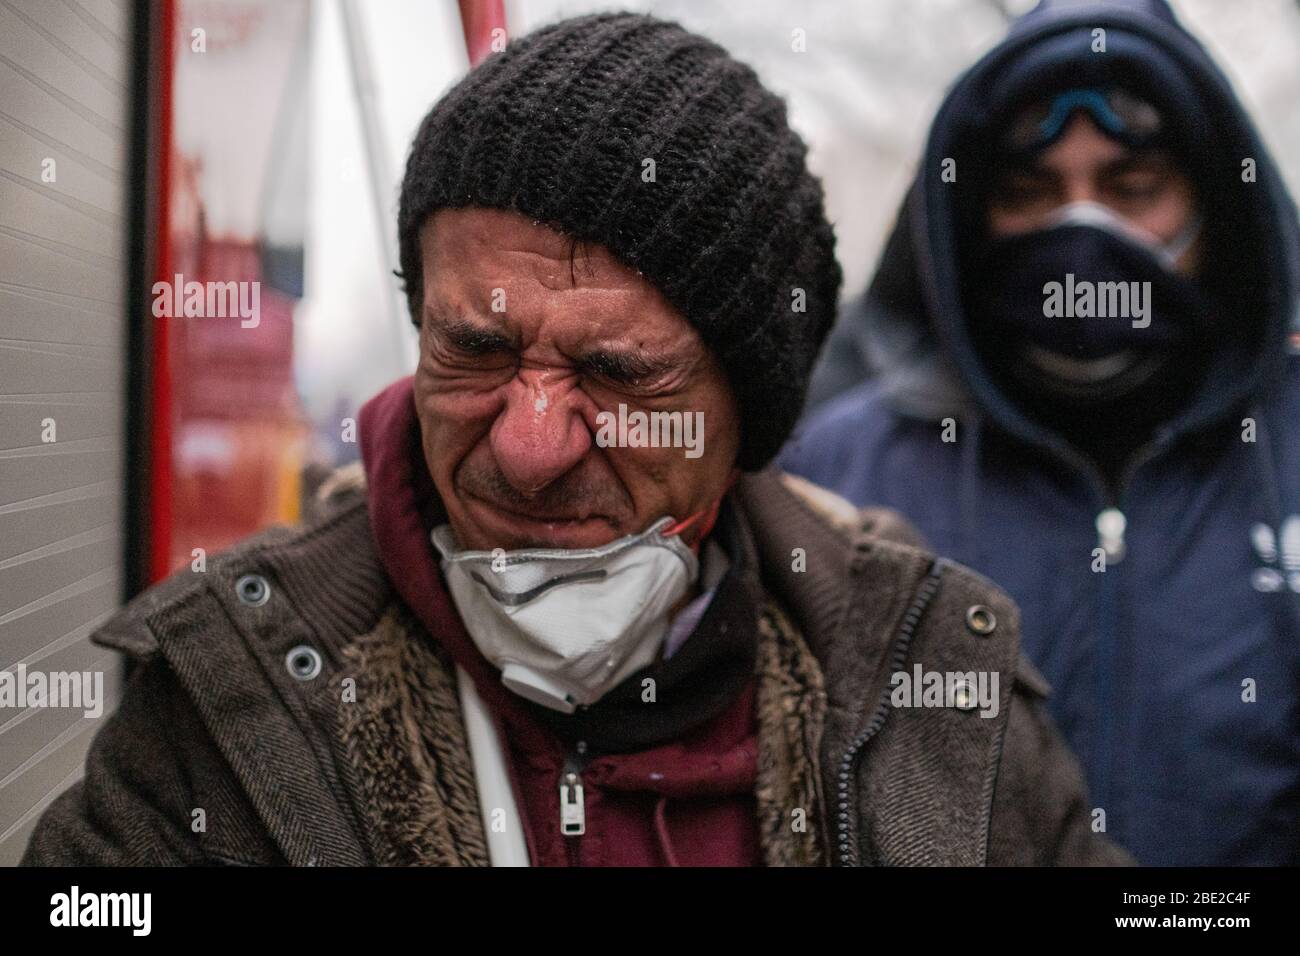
<point x="540" y="434"/>
<point x="1081" y="188"/>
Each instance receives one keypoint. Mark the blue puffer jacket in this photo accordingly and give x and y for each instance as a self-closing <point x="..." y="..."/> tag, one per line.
<point x="1176" y="670"/>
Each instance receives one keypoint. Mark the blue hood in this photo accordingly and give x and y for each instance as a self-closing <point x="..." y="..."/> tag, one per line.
<point x="1154" y="655"/>
<point x="911" y="325"/>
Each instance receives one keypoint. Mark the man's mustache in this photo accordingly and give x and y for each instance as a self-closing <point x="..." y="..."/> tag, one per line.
<point x="572" y="495"/>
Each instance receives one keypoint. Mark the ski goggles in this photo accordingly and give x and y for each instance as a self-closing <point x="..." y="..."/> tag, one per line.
<point x="1119" y="114"/>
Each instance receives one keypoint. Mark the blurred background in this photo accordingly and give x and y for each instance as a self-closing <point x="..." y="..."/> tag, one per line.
<point x="263" y="141"/>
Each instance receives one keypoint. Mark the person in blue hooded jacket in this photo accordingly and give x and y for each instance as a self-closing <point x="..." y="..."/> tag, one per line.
<point x="1071" y="371"/>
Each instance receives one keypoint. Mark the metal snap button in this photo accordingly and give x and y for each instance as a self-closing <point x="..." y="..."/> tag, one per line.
<point x="963" y="695"/>
<point x="303" y="662"/>
<point x="980" y="620"/>
<point x="253" y="590"/>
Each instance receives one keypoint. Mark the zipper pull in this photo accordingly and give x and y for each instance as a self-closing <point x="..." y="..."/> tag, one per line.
<point x="1110" y="534"/>
<point x="573" y="818"/>
<point x="573" y="821"/>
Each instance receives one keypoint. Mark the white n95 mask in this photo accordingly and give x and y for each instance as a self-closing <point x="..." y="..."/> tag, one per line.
<point x="566" y="626"/>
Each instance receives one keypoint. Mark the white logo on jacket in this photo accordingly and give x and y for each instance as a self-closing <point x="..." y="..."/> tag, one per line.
<point x="1279" y="554"/>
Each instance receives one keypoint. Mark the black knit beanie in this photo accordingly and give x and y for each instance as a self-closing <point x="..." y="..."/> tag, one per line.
<point x="732" y="229"/>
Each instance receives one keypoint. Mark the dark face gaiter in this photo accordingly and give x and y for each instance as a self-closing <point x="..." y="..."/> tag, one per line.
<point x="1088" y="329"/>
<point x="1081" y="292"/>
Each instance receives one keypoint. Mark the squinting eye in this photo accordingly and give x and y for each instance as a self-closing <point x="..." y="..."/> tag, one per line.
<point x="471" y="358"/>
<point x="488" y="361"/>
<point x="469" y="348"/>
<point x="1019" y="192"/>
<point x="474" y="351"/>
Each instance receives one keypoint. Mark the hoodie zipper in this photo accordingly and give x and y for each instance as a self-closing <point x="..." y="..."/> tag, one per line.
<point x="1112" y="527"/>
<point x="1111" y="522"/>
<point x="573" y="815"/>
<point x="848" y="853"/>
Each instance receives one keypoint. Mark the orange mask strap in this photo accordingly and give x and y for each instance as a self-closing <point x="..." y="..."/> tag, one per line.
<point x="706" y="517"/>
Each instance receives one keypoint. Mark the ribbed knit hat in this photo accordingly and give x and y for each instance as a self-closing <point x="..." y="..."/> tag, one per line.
<point x="731" y="230"/>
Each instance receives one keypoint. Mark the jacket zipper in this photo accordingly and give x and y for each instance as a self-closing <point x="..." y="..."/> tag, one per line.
<point x="573" y="815"/>
<point x="1112" y="527"/>
<point x="1106" y="611"/>
<point x="898" y="656"/>
<point x="1111" y="522"/>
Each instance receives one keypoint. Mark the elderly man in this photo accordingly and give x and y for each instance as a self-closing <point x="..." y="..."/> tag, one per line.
<point x="557" y="623"/>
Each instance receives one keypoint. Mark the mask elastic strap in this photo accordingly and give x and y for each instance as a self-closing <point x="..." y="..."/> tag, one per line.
<point x="1173" y="250"/>
<point x="1088" y="213"/>
<point x="707" y="517"/>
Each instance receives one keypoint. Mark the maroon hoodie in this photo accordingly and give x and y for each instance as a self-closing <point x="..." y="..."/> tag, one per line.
<point x="686" y="801"/>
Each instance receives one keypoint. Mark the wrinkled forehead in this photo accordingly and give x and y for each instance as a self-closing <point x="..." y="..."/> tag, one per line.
<point x="473" y="236"/>
<point x="499" y="268"/>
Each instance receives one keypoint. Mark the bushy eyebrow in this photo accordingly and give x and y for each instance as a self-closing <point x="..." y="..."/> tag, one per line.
<point x="464" y="334"/>
<point x="1154" y="160"/>
<point x="472" y="338"/>
<point x="1150" y="160"/>
<point x="627" y="367"/>
<point x="621" y="366"/>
